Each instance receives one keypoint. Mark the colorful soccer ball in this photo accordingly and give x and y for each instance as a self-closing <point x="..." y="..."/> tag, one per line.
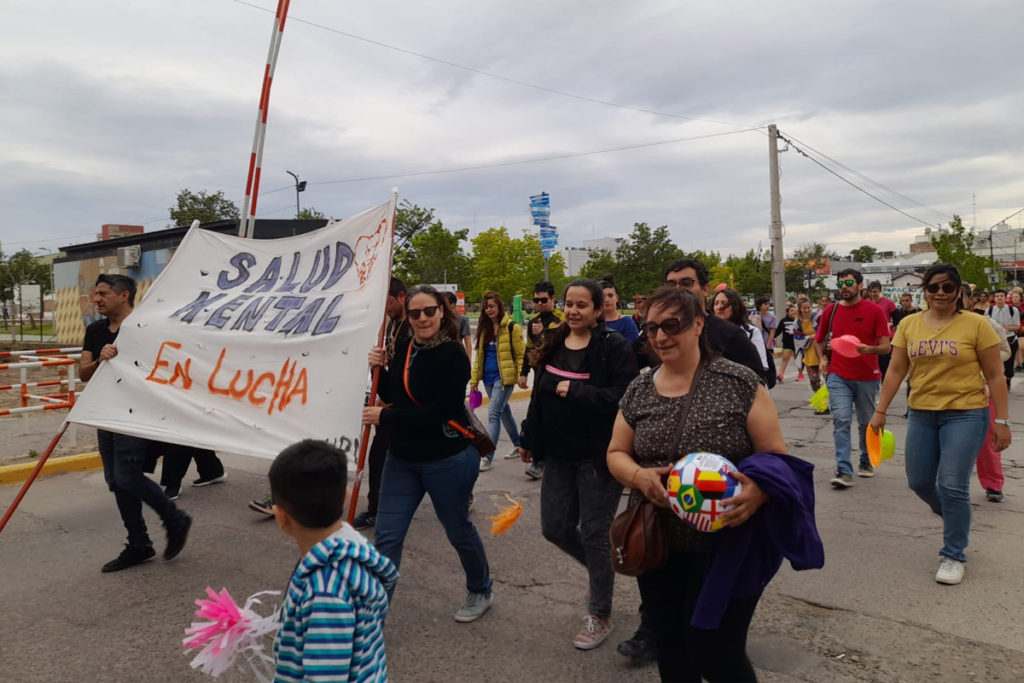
<point x="697" y="485"/>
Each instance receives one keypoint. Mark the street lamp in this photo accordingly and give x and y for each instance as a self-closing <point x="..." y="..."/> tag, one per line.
<point x="300" y="186"/>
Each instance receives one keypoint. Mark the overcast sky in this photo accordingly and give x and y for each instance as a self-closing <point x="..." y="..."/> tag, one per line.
<point x="108" y="109"/>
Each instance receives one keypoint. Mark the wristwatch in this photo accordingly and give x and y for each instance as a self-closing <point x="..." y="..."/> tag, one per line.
<point x="1002" y="422"/>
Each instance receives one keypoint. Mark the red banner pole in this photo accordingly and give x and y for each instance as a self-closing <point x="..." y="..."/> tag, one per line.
<point x="32" y="477"/>
<point x="364" y="440"/>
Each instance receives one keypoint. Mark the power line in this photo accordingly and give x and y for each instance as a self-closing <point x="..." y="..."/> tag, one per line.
<point x="907" y="200"/>
<point x="853" y="184"/>
<point x="548" y="157"/>
<point x="499" y="77"/>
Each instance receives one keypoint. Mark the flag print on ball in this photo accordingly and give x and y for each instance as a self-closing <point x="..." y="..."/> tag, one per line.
<point x="697" y="485"/>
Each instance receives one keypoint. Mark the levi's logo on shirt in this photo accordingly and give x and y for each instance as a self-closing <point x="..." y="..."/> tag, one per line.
<point x="934" y="347"/>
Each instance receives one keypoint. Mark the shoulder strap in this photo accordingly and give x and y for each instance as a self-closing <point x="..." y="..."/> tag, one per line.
<point x="511" y="343"/>
<point x="687" y="402"/>
<point x="828" y="334"/>
<point x="405" y="382"/>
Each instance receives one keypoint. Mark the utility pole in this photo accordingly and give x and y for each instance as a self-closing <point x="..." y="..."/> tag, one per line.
<point x="775" y="232"/>
<point x="299" y="187"/>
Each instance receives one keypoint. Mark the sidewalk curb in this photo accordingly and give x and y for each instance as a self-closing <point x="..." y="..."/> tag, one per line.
<point x="14" y="474"/>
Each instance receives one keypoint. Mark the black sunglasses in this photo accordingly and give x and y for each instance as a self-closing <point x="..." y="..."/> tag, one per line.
<point x="669" y="326"/>
<point x="947" y="287"/>
<point x="428" y="311"/>
<point x="686" y="282"/>
<point x="540" y="301"/>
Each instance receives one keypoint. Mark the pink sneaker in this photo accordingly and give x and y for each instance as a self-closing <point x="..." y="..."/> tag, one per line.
<point x="594" y="632"/>
<point x="800" y="377"/>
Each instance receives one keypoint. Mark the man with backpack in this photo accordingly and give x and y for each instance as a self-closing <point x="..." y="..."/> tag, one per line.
<point x="1008" y="318"/>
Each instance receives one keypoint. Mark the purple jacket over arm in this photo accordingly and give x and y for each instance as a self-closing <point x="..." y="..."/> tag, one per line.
<point x="745" y="558"/>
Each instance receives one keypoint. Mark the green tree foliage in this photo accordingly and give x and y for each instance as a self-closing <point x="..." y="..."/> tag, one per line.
<point x="206" y="208"/>
<point x="957" y="248"/>
<point x="814" y="251"/>
<point x="434" y="255"/>
<point x="600" y="263"/>
<point x="310" y="214"/>
<point x="511" y="265"/>
<point x="863" y="254"/>
<point x="409" y="220"/>
<point x="752" y="275"/>
<point x="642" y="259"/>
<point x="25" y="269"/>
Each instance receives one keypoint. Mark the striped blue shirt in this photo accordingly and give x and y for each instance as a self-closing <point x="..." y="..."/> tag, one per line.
<point x="332" y="618"/>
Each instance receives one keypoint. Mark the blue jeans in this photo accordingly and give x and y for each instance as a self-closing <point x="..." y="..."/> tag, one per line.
<point x="941" y="448"/>
<point x="124" y="460"/>
<point x="499" y="411"/>
<point x="449" y="483"/>
<point x="844" y="397"/>
<point x="578" y="500"/>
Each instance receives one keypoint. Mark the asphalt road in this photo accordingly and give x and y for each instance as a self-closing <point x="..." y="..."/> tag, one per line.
<point x="874" y="613"/>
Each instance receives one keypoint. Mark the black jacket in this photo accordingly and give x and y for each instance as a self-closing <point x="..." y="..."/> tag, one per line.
<point x="590" y="407"/>
<point x="733" y="343"/>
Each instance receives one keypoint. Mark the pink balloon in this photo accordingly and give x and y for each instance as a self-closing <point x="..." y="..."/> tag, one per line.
<point x="476" y="399"/>
<point x="846" y="345"/>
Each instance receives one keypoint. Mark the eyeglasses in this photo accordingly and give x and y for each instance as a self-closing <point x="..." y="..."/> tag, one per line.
<point x="686" y="282"/>
<point x="539" y="300"/>
<point x="669" y="326"/>
<point x="947" y="287"/>
<point x="429" y="311"/>
<point x="846" y="283"/>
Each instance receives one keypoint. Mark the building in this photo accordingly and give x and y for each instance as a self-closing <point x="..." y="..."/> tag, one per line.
<point x="139" y="255"/>
<point x="576" y="257"/>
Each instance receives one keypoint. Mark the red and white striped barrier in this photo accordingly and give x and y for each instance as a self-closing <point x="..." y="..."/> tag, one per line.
<point x="41" y="358"/>
<point x="247" y="225"/>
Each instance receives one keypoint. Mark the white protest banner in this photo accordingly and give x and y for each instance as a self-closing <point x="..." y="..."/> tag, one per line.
<point x="247" y="346"/>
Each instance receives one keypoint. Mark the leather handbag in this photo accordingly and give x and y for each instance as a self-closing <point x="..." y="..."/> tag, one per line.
<point x="637" y="537"/>
<point x="475" y="432"/>
<point x="638" y="541"/>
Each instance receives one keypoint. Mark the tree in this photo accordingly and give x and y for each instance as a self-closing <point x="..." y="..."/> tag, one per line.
<point x="752" y="275"/>
<point x="956" y="247"/>
<point x="600" y="263"/>
<point x="435" y="256"/>
<point x="410" y="219"/>
<point x="22" y="268"/>
<point x="310" y="214"/>
<point x="642" y="259"/>
<point x="863" y="254"/>
<point x="511" y="265"/>
<point x="814" y="251"/>
<point x="206" y="208"/>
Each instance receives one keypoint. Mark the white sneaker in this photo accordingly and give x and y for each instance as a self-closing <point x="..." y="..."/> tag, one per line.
<point x="485" y="464"/>
<point x="951" y="572"/>
<point x="514" y="455"/>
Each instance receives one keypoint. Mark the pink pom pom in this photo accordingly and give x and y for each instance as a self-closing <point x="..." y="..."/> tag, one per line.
<point x="230" y="631"/>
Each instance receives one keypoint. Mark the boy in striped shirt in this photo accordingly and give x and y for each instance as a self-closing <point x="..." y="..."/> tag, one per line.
<point x="332" y="618"/>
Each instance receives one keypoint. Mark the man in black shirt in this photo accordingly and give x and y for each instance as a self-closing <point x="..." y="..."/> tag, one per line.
<point x="123" y="456"/>
<point x="906" y="308"/>
<point x="722" y="336"/>
<point x="547" y="317"/>
<point x="397" y="331"/>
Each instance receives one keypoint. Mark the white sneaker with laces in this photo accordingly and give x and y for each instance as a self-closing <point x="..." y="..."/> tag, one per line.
<point x="951" y="572"/>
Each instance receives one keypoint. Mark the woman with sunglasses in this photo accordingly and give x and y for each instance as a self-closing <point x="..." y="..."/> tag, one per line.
<point x="499" y="353"/>
<point x="700" y="602"/>
<point x="946" y="351"/>
<point x="424" y="386"/>
<point x="582" y="370"/>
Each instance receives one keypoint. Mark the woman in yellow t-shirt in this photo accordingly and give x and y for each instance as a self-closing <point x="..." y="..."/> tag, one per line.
<point x="946" y="351"/>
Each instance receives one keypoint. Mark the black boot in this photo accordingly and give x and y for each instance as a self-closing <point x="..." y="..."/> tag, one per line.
<point x="641" y="648"/>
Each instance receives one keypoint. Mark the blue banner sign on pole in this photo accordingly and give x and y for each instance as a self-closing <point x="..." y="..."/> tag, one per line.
<point x="540" y="211"/>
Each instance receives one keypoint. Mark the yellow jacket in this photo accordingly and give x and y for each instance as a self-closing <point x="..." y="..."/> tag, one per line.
<point x="511" y="349"/>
